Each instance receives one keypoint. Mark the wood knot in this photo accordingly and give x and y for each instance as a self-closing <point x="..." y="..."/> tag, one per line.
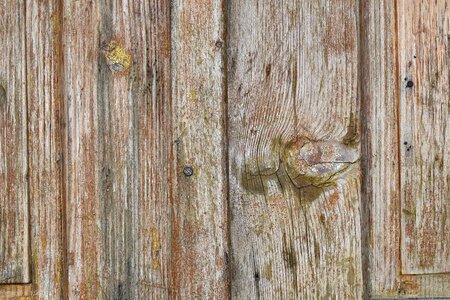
<point x="117" y="57"/>
<point x="318" y="163"/>
<point x="309" y="166"/>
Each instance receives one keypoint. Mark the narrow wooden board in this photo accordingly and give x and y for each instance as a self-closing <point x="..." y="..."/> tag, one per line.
<point x="294" y="149"/>
<point x="14" y="217"/>
<point x="119" y="137"/>
<point x="200" y="230"/>
<point x="424" y="67"/>
<point x="381" y="205"/>
<point x="46" y="118"/>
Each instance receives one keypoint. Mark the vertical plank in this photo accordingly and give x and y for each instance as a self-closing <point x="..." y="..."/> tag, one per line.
<point x="424" y="64"/>
<point x="14" y="236"/>
<point x="381" y="225"/>
<point x="200" y="241"/>
<point x="119" y="135"/>
<point x="294" y="149"/>
<point x="46" y="117"/>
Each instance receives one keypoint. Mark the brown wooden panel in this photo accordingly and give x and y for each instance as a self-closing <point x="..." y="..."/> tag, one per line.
<point x="424" y="69"/>
<point x="294" y="149"/>
<point x="14" y="235"/>
<point x="200" y="241"/>
<point x="117" y="88"/>
<point x="46" y="117"/>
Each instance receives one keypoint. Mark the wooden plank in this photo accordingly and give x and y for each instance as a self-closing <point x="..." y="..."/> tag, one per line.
<point x="382" y="84"/>
<point x="15" y="291"/>
<point x="294" y="149"/>
<point x="119" y="176"/>
<point x="14" y="236"/>
<point x="46" y="117"/>
<point x="381" y="207"/>
<point x="200" y="241"/>
<point x="424" y="66"/>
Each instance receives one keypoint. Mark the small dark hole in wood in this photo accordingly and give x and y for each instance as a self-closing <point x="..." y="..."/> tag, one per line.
<point x="410" y="84"/>
<point x="257" y="276"/>
<point x="405" y="143"/>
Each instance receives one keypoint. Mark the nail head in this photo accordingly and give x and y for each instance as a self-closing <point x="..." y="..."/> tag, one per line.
<point x="188" y="171"/>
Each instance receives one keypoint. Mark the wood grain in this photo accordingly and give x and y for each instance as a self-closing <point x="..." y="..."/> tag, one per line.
<point x="119" y="131"/>
<point x="14" y="217"/>
<point x="424" y="63"/>
<point x="200" y="229"/>
<point x="294" y="149"/>
<point x="46" y="118"/>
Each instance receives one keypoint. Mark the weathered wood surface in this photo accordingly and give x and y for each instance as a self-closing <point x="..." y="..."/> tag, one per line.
<point x="294" y="149"/>
<point x="46" y="117"/>
<point x="200" y="229"/>
<point x="123" y="98"/>
<point x="424" y="64"/>
<point x="119" y="169"/>
<point x="14" y="235"/>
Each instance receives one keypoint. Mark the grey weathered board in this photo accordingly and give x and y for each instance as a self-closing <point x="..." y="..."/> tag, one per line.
<point x="245" y="149"/>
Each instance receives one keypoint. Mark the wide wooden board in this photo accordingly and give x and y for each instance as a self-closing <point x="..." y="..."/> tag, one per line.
<point x="294" y="149"/>
<point x="119" y="169"/>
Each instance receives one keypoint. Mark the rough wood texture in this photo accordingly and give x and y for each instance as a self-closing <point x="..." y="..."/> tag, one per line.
<point x="294" y="149"/>
<point x="46" y="117"/>
<point x="424" y="61"/>
<point x="200" y="240"/>
<point x="117" y="79"/>
<point x="15" y="292"/>
<point x="14" y="236"/>
<point x="381" y="205"/>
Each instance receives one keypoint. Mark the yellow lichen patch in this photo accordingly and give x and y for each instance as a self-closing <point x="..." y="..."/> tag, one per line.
<point x="193" y="94"/>
<point x="116" y="56"/>
<point x="155" y="248"/>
